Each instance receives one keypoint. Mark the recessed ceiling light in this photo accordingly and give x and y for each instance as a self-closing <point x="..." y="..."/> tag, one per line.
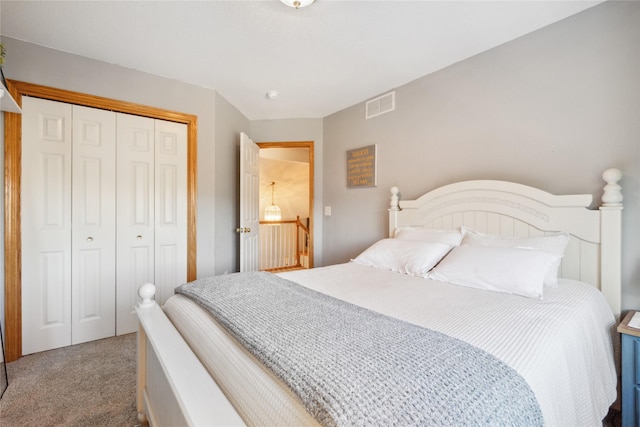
<point x="297" y="3"/>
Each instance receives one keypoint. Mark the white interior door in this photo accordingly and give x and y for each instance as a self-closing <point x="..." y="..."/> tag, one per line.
<point x="93" y="260"/>
<point x="249" y="225"/>
<point x="170" y="207"/>
<point x="46" y="224"/>
<point x="135" y="231"/>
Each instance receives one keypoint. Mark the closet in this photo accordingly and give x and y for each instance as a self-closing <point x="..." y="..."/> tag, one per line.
<point x="104" y="210"/>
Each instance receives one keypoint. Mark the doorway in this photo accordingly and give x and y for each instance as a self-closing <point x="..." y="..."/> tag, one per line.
<point x="286" y="181"/>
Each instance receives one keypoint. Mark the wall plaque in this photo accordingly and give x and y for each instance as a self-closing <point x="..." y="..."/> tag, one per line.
<point x="361" y="167"/>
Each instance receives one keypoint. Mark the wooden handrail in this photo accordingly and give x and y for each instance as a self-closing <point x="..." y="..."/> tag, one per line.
<point x="282" y="221"/>
<point x="287" y="221"/>
<point x="300" y="224"/>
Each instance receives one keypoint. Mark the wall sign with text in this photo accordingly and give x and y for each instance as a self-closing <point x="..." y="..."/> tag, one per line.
<point x="361" y="167"/>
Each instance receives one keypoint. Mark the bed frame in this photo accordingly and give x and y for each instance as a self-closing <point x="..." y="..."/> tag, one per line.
<point x="175" y="389"/>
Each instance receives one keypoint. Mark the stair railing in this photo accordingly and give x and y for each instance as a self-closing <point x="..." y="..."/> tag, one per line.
<point x="284" y="245"/>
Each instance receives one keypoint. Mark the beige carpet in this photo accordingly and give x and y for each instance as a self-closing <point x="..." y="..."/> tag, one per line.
<point x="91" y="384"/>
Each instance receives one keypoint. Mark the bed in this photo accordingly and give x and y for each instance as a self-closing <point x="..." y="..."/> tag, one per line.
<point x="548" y="330"/>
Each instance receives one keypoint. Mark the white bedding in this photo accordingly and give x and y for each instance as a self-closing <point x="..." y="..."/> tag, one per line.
<point x="561" y="345"/>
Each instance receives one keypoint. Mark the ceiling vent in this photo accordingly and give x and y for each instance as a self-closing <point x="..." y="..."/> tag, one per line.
<point x="380" y="105"/>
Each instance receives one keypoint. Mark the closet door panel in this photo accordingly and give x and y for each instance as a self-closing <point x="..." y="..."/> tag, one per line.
<point x="46" y="225"/>
<point x="94" y="224"/>
<point x="135" y="219"/>
<point x="170" y="207"/>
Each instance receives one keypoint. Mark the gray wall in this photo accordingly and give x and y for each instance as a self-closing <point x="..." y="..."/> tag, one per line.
<point x="229" y="123"/>
<point x="35" y="64"/>
<point x="219" y="127"/>
<point x="300" y="130"/>
<point x="552" y="109"/>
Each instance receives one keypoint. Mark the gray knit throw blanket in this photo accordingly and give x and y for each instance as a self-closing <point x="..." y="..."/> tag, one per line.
<point x="350" y="366"/>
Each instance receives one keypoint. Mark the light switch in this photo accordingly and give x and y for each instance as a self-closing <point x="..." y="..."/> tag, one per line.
<point x="327" y="211"/>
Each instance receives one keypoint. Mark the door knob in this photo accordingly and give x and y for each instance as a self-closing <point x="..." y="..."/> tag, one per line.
<point x="89" y="239"/>
<point x="139" y="237"/>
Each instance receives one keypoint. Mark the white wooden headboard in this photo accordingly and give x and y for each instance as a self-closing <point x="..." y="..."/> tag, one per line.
<point x="509" y="209"/>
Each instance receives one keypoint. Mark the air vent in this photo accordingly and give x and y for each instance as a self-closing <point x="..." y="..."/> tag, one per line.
<point x="380" y="105"/>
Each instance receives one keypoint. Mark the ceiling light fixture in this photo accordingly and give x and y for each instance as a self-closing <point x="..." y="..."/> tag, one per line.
<point x="297" y="3"/>
<point x="272" y="95"/>
<point x="272" y="213"/>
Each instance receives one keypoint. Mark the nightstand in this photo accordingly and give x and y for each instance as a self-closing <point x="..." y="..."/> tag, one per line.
<point x="630" y="372"/>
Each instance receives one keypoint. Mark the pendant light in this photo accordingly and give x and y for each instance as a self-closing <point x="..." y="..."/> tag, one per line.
<point x="272" y="213"/>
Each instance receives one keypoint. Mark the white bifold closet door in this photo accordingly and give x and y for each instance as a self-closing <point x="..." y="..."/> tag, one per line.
<point x="103" y="211"/>
<point x="46" y="225"/>
<point x="68" y="225"/>
<point x="93" y="225"/>
<point x="152" y="218"/>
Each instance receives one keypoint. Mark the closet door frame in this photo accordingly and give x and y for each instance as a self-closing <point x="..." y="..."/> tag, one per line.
<point x="12" y="171"/>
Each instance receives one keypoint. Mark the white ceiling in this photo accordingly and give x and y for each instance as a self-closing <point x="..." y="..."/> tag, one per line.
<point x="321" y="59"/>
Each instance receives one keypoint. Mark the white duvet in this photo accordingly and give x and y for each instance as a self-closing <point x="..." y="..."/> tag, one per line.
<point x="561" y="345"/>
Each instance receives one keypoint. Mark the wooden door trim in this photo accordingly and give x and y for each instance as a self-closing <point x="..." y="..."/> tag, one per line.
<point x="12" y="176"/>
<point x="300" y="144"/>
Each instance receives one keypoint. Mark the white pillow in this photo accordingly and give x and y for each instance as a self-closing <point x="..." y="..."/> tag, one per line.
<point x="553" y="243"/>
<point x="449" y="237"/>
<point x="410" y="257"/>
<point x="508" y="270"/>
